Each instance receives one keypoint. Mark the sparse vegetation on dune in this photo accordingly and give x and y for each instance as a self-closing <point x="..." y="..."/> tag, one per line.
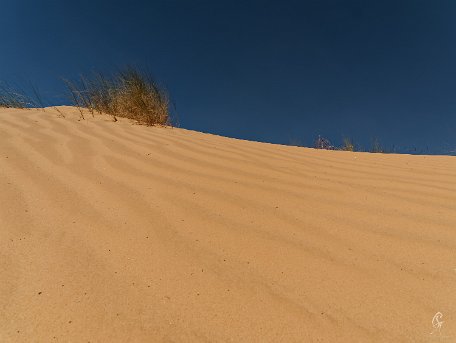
<point x="13" y="98"/>
<point x="135" y="95"/>
<point x="348" y="144"/>
<point x="130" y="94"/>
<point x="376" y="146"/>
<point x="323" y="143"/>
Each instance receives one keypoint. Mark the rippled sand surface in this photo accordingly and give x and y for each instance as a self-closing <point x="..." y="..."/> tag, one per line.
<point x="114" y="232"/>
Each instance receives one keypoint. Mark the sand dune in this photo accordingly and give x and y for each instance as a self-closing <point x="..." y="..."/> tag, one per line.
<point x="114" y="232"/>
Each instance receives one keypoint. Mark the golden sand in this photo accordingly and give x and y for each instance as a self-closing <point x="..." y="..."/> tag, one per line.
<point x="113" y="232"/>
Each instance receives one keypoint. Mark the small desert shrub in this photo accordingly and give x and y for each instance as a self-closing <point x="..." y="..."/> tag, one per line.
<point x="376" y="146"/>
<point x="323" y="143"/>
<point x="129" y="93"/>
<point x="347" y="144"/>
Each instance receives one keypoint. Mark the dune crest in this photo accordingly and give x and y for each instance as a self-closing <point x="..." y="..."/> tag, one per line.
<point x="125" y="233"/>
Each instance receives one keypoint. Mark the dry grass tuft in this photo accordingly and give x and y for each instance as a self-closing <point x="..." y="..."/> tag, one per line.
<point x="323" y="143"/>
<point x="12" y="98"/>
<point x="129" y="94"/>
<point x="347" y="144"/>
<point x="376" y="146"/>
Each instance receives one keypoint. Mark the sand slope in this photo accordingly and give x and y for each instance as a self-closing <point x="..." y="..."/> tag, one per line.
<point x="113" y="232"/>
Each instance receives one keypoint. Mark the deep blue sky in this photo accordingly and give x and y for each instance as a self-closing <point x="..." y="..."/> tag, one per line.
<point x="271" y="71"/>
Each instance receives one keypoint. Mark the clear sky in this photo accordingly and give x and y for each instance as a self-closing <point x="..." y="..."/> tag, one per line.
<point x="273" y="71"/>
